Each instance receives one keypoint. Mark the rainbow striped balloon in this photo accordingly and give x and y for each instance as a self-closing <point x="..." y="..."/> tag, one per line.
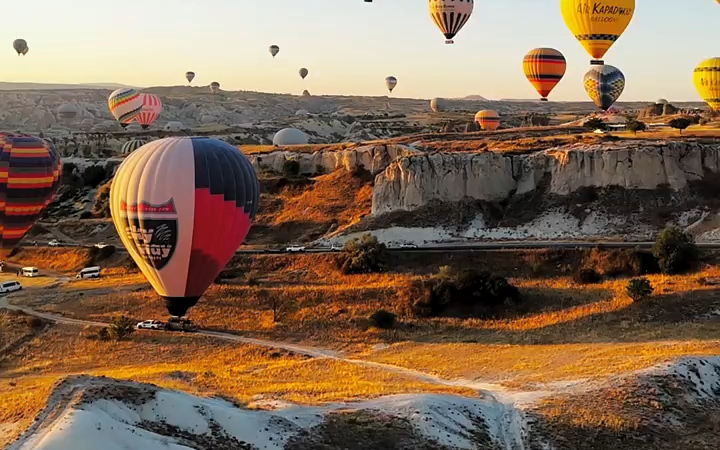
<point x="125" y="104"/>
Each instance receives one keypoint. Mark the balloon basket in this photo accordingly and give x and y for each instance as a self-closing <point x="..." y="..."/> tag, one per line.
<point x="597" y="62"/>
<point x="449" y="41"/>
<point x="543" y="99"/>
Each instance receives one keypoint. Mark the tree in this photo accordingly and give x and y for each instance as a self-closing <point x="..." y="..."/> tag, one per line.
<point x="120" y="327"/>
<point x="675" y="251"/>
<point x="595" y="124"/>
<point x="635" y="125"/>
<point x="291" y="168"/>
<point x="364" y="255"/>
<point x="277" y="303"/>
<point x="639" y="289"/>
<point x="383" y="319"/>
<point x="680" y="123"/>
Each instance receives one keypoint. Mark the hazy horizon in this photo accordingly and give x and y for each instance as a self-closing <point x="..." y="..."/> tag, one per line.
<point x="349" y="48"/>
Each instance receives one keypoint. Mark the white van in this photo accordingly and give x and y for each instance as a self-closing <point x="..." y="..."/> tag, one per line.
<point x="30" y="272"/>
<point x="10" y="286"/>
<point x="88" y="272"/>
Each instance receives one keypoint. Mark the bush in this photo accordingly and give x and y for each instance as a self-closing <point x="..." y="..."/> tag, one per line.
<point x="587" y="276"/>
<point x="291" y="168"/>
<point x="635" y="125"/>
<point x="675" y="251"/>
<point x="639" y="289"/>
<point x="383" y="319"/>
<point x="595" y="124"/>
<point x="34" y="322"/>
<point x="463" y="293"/>
<point x="85" y="215"/>
<point x="616" y="263"/>
<point x="93" y="176"/>
<point x="100" y="254"/>
<point x="680" y="123"/>
<point x="364" y="255"/>
<point x="120" y="327"/>
<point x="103" y="334"/>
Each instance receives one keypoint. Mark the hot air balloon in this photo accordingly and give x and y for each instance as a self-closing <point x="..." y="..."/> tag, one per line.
<point x="182" y="207"/>
<point x="438" y="104"/>
<point x="450" y="15"/>
<point x="604" y="84"/>
<point x="29" y="179"/>
<point x="20" y="46"/>
<point x="67" y="111"/>
<point x="274" y="50"/>
<point x="544" y="68"/>
<point x="597" y="25"/>
<point x="391" y="82"/>
<point x="215" y="87"/>
<point x="303" y="73"/>
<point x="151" y="109"/>
<point x="132" y="145"/>
<point x="189" y="76"/>
<point x="488" y="120"/>
<point x="125" y="104"/>
<point x="707" y="81"/>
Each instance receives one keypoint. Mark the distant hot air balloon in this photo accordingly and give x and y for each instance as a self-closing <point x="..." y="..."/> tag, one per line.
<point x="438" y="104"/>
<point x="125" y="104"/>
<point x="151" y="108"/>
<point x="132" y="145"/>
<point x="182" y="207"/>
<point x="303" y="73"/>
<point x="391" y="82"/>
<point x="29" y="180"/>
<point x="488" y="120"/>
<point x="215" y="87"/>
<point x="450" y="15"/>
<point x="274" y="50"/>
<point x="707" y="81"/>
<point x="67" y="111"/>
<point x="544" y="68"/>
<point x="597" y="25"/>
<point x="20" y="46"/>
<point x="604" y="84"/>
<point x="189" y="76"/>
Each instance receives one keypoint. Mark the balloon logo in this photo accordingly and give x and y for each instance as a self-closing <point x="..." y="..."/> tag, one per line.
<point x="151" y="109"/>
<point x="488" y="120"/>
<point x="125" y="104"/>
<point x="604" y="85"/>
<point x="182" y="207"/>
<point x="707" y="82"/>
<point x="544" y="68"/>
<point x="29" y="181"/>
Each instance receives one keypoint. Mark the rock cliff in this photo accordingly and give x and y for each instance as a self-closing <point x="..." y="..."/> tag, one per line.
<point x="416" y="180"/>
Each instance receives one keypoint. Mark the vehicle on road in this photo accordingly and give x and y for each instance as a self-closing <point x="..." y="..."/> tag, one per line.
<point x="150" y="325"/>
<point x="101" y="245"/>
<point x="336" y="248"/>
<point x="408" y="246"/>
<point x="295" y="249"/>
<point x="54" y="243"/>
<point x="180" y="324"/>
<point x="30" y="272"/>
<point x="10" y="286"/>
<point x="89" y="272"/>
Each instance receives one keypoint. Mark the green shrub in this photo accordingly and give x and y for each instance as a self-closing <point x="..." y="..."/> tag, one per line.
<point x="291" y="168"/>
<point x="675" y="251"/>
<point x="639" y="289"/>
<point x="120" y="327"/>
<point x="383" y="319"/>
<point x="587" y="276"/>
<point x="364" y="255"/>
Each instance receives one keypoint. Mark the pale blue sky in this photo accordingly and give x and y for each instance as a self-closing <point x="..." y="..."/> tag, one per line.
<point x="349" y="46"/>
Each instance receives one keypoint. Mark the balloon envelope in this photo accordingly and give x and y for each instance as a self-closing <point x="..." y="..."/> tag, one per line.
<point x="215" y="87"/>
<point x="707" y="81"/>
<point x="450" y="16"/>
<point x="151" y="109"/>
<point x="274" y="50"/>
<point x="125" y="104"/>
<point x="132" y="145"/>
<point x="438" y="104"/>
<point x="189" y="76"/>
<point x="182" y="207"/>
<point x="597" y="25"/>
<point x="544" y="68"/>
<point x="488" y="119"/>
<point x="29" y="180"/>
<point x="303" y="73"/>
<point x="20" y="46"/>
<point x="604" y="84"/>
<point x="391" y="82"/>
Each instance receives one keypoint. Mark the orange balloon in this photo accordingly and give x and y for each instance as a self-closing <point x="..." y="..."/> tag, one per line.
<point x="488" y="120"/>
<point x="544" y="68"/>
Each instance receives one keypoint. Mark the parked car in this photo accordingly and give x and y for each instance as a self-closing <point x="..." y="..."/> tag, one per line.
<point x="54" y="243"/>
<point x="295" y="249"/>
<point x="30" y="272"/>
<point x="408" y="246"/>
<point x="150" y="325"/>
<point x="89" y="272"/>
<point x="101" y="245"/>
<point x="336" y="248"/>
<point x="10" y="286"/>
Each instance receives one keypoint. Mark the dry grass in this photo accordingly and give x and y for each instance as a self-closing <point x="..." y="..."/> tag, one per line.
<point x="60" y="260"/>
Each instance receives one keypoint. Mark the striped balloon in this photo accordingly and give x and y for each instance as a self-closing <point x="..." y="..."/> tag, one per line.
<point x="707" y="82"/>
<point x="450" y="15"/>
<point x="182" y="207"/>
<point x="488" y="120"/>
<point x="604" y="84"/>
<point x="30" y="171"/>
<point x="132" y="145"/>
<point x="125" y="104"/>
<point x="151" y="108"/>
<point x="544" y="68"/>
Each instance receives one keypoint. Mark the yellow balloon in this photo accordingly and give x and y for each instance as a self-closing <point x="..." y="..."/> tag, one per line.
<point x="597" y="24"/>
<point x="707" y="82"/>
<point x="488" y="119"/>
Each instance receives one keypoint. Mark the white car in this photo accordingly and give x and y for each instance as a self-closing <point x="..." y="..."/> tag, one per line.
<point x="150" y="325"/>
<point x="101" y="245"/>
<point x="54" y="243"/>
<point x="336" y="248"/>
<point x="10" y="286"/>
<point x="408" y="246"/>
<point x="295" y="249"/>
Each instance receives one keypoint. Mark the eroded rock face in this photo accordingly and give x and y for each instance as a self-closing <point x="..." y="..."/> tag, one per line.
<point x="414" y="181"/>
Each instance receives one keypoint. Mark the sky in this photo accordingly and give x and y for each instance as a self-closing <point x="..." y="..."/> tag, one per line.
<point x="349" y="46"/>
